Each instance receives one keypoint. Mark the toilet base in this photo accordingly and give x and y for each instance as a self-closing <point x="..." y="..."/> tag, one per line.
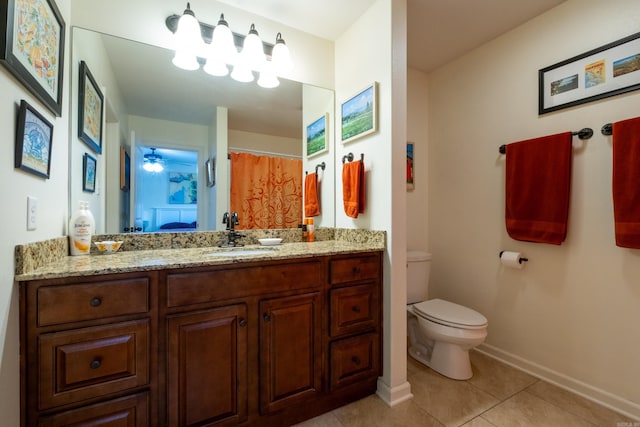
<point x="447" y="359"/>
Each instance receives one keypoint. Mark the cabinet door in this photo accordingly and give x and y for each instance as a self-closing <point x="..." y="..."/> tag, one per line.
<point x="207" y="367"/>
<point x="290" y="350"/>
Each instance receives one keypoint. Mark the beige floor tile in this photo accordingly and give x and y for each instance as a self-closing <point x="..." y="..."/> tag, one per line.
<point x="451" y="402"/>
<point x="478" y="422"/>
<point x="526" y="410"/>
<point x="496" y="378"/>
<point x="325" y="420"/>
<point x="577" y="405"/>
<point x="373" y="412"/>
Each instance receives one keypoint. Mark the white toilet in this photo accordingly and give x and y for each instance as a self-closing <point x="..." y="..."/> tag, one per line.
<point x="441" y="333"/>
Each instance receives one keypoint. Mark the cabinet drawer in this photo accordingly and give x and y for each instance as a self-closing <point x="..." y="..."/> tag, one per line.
<point x="354" y="359"/>
<point x="91" y="362"/>
<point x="356" y="268"/>
<point x="205" y="286"/>
<point x="89" y="301"/>
<point x="128" y="411"/>
<point x="354" y="308"/>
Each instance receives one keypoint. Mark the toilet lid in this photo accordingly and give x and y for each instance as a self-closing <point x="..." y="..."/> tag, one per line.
<point x="448" y="313"/>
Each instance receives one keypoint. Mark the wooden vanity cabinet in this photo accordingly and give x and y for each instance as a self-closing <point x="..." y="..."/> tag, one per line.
<point x="88" y="350"/>
<point x="268" y="343"/>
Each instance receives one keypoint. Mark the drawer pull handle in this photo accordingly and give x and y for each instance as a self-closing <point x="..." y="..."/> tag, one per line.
<point x="243" y="322"/>
<point x="95" y="301"/>
<point x="356" y="360"/>
<point x="356" y="308"/>
<point x="356" y="269"/>
<point x="95" y="364"/>
<point x="266" y="317"/>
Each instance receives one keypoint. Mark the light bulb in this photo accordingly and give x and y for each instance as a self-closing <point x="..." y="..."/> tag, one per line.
<point x="268" y="77"/>
<point x="188" y="40"/>
<point x="280" y="56"/>
<point x="252" y="51"/>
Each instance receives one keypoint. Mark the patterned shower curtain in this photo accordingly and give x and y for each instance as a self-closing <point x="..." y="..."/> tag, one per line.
<point x="266" y="191"/>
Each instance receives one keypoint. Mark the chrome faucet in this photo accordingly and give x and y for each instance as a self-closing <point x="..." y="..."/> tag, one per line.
<point x="231" y="220"/>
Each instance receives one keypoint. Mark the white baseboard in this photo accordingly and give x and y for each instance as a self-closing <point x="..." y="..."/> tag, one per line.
<point x="602" y="397"/>
<point x="395" y="395"/>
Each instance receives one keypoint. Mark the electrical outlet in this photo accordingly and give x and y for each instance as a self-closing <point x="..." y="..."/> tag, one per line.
<point x="32" y="213"/>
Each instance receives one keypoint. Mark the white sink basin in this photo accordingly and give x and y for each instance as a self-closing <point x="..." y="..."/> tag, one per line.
<point x="241" y="252"/>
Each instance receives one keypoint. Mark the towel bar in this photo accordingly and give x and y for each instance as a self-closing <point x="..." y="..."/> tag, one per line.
<point x="350" y="157"/>
<point x="584" y="133"/>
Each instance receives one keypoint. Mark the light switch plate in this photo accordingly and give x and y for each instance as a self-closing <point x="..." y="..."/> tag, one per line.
<point x="32" y="213"/>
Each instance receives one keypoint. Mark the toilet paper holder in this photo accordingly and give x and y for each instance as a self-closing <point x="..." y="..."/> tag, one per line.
<point x="520" y="260"/>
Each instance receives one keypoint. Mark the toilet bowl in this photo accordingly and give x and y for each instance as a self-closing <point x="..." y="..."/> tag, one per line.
<point x="441" y="333"/>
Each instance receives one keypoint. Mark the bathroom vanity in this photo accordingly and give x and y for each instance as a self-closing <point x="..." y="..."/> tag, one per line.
<point x="186" y="337"/>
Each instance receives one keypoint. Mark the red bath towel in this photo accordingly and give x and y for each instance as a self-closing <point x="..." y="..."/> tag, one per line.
<point x="626" y="182"/>
<point x="538" y="178"/>
<point x="353" y="191"/>
<point x="311" y="202"/>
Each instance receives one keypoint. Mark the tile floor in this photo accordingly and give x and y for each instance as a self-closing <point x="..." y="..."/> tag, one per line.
<point x="496" y="396"/>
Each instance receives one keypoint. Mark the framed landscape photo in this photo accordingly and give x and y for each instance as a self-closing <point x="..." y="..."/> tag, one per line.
<point x="317" y="133"/>
<point x="359" y="114"/>
<point x="90" y="109"/>
<point x="32" y="48"/>
<point x="34" y="137"/>
<point x="89" y="173"/>
<point x="606" y="71"/>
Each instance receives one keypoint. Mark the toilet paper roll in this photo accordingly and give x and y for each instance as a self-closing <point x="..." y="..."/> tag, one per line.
<point x="511" y="259"/>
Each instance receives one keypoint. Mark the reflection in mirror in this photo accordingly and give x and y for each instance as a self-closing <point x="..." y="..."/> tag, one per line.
<point x="149" y="103"/>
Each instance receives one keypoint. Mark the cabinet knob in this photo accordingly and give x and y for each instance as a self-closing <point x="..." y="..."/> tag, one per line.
<point x="356" y="308"/>
<point x="356" y="269"/>
<point x="356" y="360"/>
<point x="243" y="322"/>
<point x="266" y="317"/>
<point x="95" y="364"/>
<point x="95" y="301"/>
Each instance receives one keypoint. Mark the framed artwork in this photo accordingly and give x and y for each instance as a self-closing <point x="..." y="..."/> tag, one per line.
<point x="410" y="174"/>
<point x="89" y="173"/>
<point x="609" y="70"/>
<point x="210" y="170"/>
<point x="317" y="136"/>
<point x="359" y="114"/>
<point x="125" y="169"/>
<point x="34" y="137"/>
<point x="183" y="188"/>
<point x="90" y="109"/>
<point x="32" y="48"/>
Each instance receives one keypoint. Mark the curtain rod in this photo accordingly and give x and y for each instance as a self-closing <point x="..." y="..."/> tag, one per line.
<point x="266" y="153"/>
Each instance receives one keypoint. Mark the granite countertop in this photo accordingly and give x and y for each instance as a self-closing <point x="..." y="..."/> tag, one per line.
<point x="159" y="259"/>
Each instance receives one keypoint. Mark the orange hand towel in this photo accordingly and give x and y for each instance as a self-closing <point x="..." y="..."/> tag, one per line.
<point x="538" y="179"/>
<point x="311" y="201"/>
<point x="353" y="188"/>
<point x="626" y="177"/>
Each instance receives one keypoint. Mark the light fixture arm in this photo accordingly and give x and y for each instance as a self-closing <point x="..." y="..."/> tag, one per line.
<point x="206" y="31"/>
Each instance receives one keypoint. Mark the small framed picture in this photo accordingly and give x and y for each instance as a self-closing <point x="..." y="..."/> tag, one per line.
<point x="34" y="138"/>
<point x="359" y="114"/>
<point x="410" y="162"/>
<point x="32" y="48"/>
<point x="90" y="109"/>
<point x="89" y="173"/>
<point x="317" y="136"/>
<point x="125" y="169"/>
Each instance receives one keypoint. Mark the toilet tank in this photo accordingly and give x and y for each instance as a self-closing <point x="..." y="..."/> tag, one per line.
<point x="418" y="269"/>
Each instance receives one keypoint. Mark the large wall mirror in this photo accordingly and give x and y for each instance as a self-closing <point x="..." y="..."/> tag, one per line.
<point x="192" y="121"/>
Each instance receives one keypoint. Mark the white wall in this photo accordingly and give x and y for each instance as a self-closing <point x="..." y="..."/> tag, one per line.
<point x="242" y="140"/>
<point x="52" y="206"/>
<point x="365" y="54"/>
<point x="572" y="313"/>
<point x="417" y="133"/>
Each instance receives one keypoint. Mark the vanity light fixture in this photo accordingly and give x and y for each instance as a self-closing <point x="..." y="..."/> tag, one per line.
<point x="218" y="47"/>
<point x="153" y="162"/>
